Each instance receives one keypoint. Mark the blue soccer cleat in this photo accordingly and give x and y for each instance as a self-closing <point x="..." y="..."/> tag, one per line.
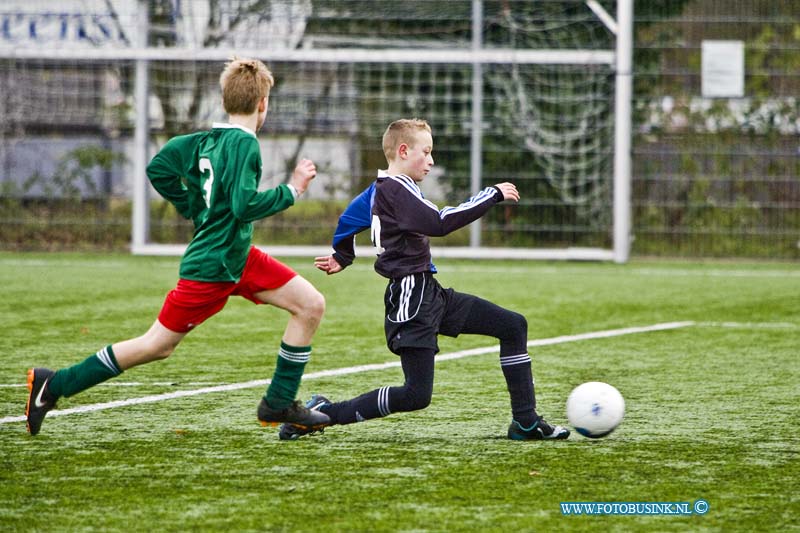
<point x="540" y="430"/>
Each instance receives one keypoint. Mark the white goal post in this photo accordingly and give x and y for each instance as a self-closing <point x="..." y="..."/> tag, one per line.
<point x="619" y="61"/>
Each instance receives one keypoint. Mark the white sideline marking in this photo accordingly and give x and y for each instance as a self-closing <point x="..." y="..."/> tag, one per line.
<point x="127" y="384"/>
<point x="350" y="370"/>
<point x="750" y="325"/>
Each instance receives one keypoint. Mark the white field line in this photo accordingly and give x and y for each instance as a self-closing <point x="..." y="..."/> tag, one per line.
<point x="129" y="384"/>
<point x="749" y="325"/>
<point x="350" y="370"/>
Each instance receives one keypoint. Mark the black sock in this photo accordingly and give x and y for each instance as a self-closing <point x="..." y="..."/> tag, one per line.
<point x="373" y="404"/>
<point x="517" y="371"/>
<point x="415" y="393"/>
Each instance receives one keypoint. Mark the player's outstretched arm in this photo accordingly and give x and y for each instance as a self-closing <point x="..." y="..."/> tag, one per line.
<point x="431" y="221"/>
<point x="328" y="264"/>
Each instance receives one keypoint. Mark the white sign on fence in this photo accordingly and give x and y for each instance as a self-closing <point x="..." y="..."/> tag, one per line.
<point x="723" y="69"/>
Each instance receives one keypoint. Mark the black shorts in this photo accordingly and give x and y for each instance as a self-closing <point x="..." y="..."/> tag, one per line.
<point x="418" y="309"/>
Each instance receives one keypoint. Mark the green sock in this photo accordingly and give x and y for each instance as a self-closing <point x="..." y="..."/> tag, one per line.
<point x="288" y="372"/>
<point x="93" y="370"/>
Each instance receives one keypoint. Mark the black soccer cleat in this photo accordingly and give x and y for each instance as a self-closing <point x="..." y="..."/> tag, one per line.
<point x="293" y="432"/>
<point x="540" y="430"/>
<point x="296" y="414"/>
<point x="39" y="400"/>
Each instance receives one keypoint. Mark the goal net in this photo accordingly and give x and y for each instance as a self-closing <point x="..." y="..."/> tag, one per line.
<point x="514" y="91"/>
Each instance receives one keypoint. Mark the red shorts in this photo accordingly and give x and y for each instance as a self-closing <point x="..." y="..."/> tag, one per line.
<point x="190" y="303"/>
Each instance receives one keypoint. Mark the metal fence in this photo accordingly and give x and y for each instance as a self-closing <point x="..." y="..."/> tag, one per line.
<point x="712" y="176"/>
<point x="716" y="176"/>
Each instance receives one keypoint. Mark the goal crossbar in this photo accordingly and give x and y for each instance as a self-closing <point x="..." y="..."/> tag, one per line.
<point x="409" y="55"/>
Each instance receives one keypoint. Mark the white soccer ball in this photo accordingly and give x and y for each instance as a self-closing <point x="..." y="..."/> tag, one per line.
<point x="595" y="409"/>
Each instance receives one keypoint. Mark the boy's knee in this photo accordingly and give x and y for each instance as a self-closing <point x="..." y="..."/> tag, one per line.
<point x="158" y="351"/>
<point x="518" y="324"/>
<point x="414" y="399"/>
<point x="419" y="401"/>
<point x="162" y="352"/>
<point x="514" y="332"/>
<point x="312" y="306"/>
<point x="316" y="305"/>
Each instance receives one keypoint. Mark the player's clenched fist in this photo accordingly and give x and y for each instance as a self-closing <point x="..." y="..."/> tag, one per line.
<point x="509" y="191"/>
<point x="303" y="173"/>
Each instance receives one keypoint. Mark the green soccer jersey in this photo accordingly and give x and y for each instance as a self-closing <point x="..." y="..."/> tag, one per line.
<point x="212" y="178"/>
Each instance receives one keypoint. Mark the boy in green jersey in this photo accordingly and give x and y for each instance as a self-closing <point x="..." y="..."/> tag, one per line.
<point x="212" y="177"/>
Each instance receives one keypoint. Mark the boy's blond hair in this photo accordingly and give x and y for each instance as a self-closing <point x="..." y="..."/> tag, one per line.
<point x="244" y="82"/>
<point x="402" y="131"/>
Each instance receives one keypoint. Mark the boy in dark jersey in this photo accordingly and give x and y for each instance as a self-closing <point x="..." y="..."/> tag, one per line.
<point x="418" y="309"/>
<point x="212" y="177"/>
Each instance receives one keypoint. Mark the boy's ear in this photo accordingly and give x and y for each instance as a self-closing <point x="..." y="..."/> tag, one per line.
<point x="262" y="105"/>
<point x="402" y="150"/>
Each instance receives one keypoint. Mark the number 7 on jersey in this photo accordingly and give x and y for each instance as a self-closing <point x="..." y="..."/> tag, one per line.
<point x="207" y="182"/>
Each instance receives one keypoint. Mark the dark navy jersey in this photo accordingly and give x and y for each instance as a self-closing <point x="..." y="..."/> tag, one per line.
<point x="401" y="222"/>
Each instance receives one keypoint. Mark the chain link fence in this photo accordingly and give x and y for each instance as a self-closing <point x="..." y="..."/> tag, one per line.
<point x="712" y="176"/>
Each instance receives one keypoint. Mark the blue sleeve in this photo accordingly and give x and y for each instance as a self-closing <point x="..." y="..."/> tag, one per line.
<point x="355" y="219"/>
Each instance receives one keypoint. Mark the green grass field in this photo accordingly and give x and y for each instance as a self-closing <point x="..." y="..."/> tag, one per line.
<point x="712" y="406"/>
